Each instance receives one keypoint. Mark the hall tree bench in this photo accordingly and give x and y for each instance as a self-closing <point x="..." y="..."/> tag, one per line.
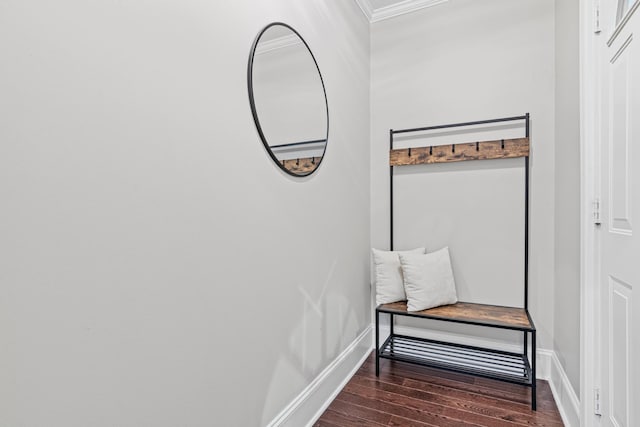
<point x="516" y="368"/>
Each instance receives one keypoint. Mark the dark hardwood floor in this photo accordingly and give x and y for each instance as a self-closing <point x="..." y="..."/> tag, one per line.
<point x="409" y="395"/>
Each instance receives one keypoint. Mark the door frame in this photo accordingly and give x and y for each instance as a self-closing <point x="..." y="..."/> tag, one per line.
<point x="589" y="192"/>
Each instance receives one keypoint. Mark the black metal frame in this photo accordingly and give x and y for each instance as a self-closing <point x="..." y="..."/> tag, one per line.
<point x="467" y="359"/>
<point x="254" y="111"/>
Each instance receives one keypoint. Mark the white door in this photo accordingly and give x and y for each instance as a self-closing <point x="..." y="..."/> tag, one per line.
<point x="619" y="234"/>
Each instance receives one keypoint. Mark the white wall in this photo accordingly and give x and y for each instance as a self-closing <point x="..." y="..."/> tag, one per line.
<point x="567" y="189"/>
<point x="460" y="61"/>
<point x="156" y="268"/>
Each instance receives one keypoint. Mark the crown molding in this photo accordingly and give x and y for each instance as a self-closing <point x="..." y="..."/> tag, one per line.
<point x="397" y="9"/>
<point x="366" y="8"/>
<point x="277" y="43"/>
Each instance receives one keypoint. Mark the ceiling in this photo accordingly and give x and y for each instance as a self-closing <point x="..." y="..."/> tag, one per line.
<point x="377" y="4"/>
<point x="378" y="10"/>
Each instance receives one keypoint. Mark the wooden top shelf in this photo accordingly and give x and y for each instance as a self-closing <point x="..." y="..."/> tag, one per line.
<point x="471" y="313"/>
<point x="481" y="150"/>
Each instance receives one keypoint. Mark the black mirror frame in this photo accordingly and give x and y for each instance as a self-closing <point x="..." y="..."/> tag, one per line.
<point x="254" y="111"/>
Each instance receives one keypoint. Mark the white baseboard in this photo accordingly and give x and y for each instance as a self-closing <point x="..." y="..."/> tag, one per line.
<point x="548" y="366"/>
<point x="563" y="393"/>
<point x="307" y="407"/>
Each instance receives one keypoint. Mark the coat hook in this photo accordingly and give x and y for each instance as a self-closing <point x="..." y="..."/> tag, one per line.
<point x="297" y="162"/>
<point x="503" y="144"/>
<point x="453" y="148"/>
<point x="313" y="160"/>
<point x="431" y="150"/>
<point x="409" y="151"/>
<point x="477" y="145"/>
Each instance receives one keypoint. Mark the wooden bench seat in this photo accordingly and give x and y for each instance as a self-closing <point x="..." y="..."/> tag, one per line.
<point x="470" y="313"/>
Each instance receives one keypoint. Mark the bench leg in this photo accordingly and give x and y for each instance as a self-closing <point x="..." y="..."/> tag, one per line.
<point x="533" y="370"/>
<point x="391" y="322"/>
<point x="377" y="343"/>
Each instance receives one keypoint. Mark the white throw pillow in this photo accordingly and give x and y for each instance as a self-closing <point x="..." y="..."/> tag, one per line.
<point x="389" y="282"/>
<point x="428" y="280"/>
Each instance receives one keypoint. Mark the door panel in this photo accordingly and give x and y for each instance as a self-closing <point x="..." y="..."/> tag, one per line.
<point x="619" y="155"/>
<point x="619" y="325"/>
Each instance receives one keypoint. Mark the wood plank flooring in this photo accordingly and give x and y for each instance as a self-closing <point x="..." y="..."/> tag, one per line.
<point x="409" y="395"/>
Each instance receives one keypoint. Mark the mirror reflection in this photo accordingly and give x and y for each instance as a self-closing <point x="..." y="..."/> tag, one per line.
<point x="288" y="99"/>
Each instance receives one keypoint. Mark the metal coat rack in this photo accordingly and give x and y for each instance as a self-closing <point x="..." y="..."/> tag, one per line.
<point x="516" y="368"/>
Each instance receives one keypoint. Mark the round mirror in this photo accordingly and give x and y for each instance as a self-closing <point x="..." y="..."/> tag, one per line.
<point x="288" y="99"/>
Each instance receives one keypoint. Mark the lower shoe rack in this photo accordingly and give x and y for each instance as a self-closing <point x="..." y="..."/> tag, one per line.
<point x="516" y="368"/>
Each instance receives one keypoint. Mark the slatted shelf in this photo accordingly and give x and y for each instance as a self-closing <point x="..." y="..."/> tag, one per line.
<point x="509" y="367"/>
